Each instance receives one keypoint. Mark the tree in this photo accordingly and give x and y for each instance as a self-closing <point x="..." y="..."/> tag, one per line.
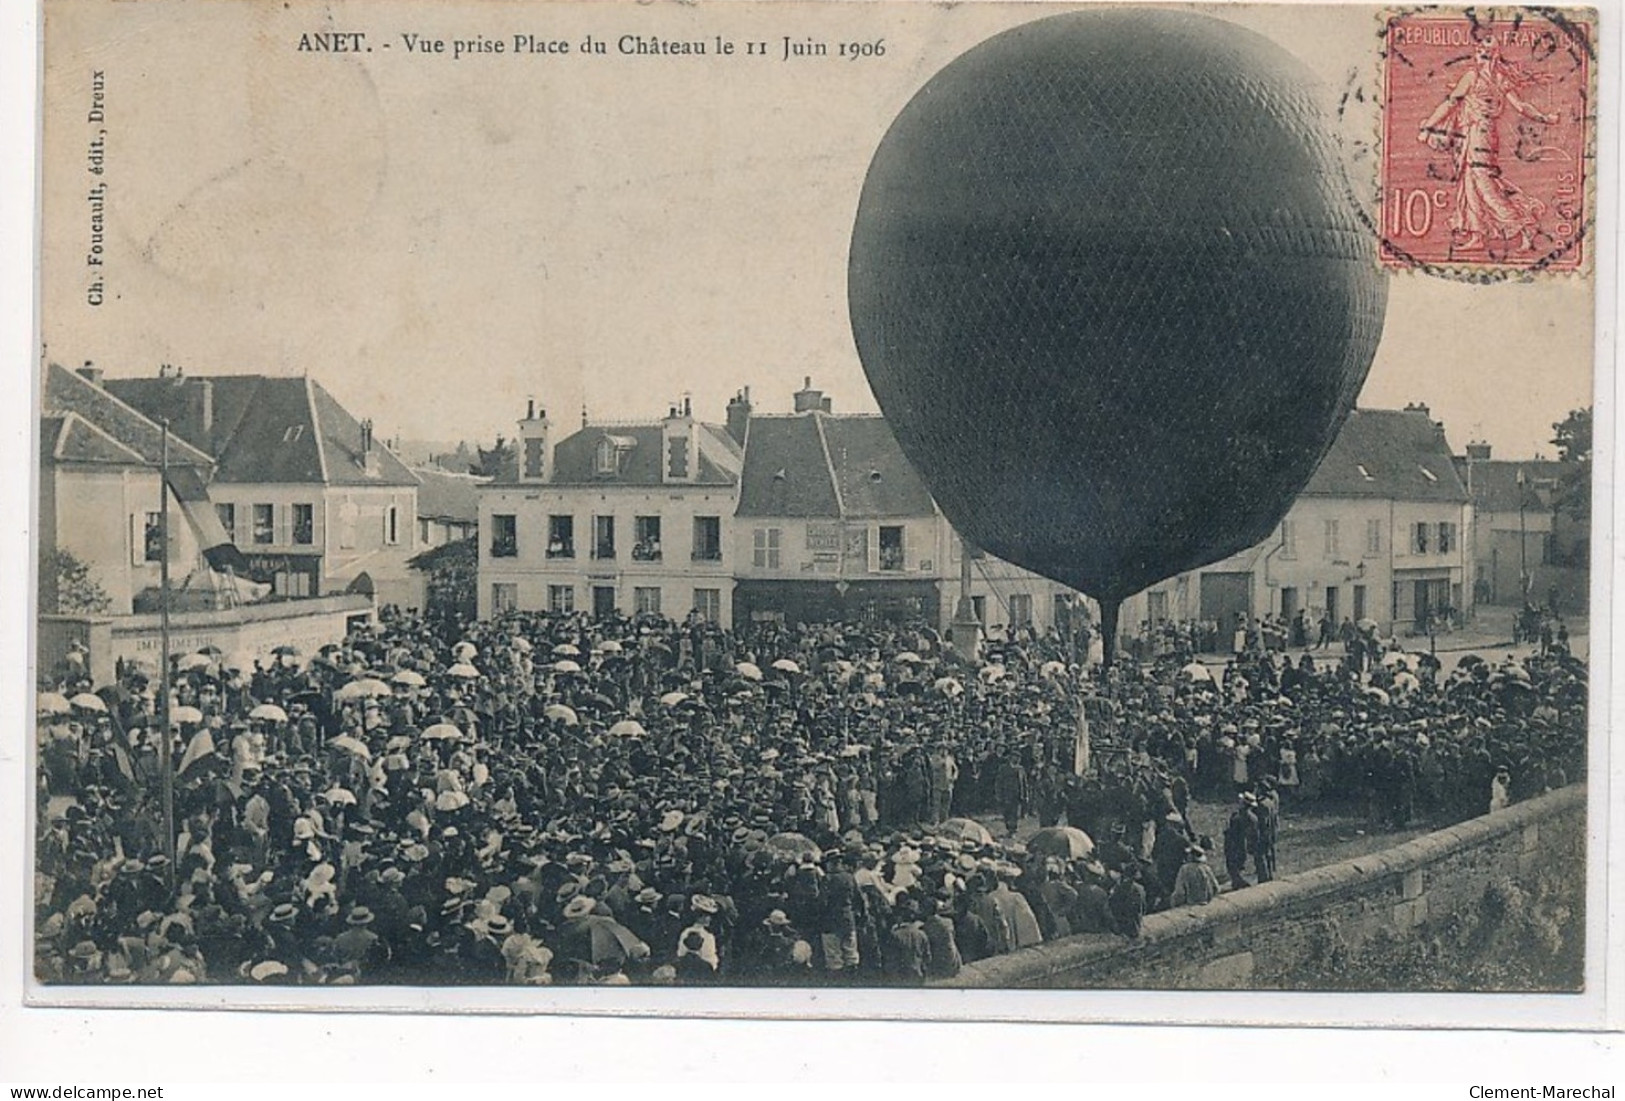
<point x="1572" y="435"/>
<point x="502" y="457"/>
<point x="67" y="587"/>
<point x="453" y="570"/>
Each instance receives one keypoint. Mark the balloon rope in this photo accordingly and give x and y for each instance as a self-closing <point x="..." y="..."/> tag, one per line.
<point x="1108" y="627"/>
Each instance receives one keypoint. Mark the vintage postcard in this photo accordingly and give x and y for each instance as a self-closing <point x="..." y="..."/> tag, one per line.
<point x="700" y="506"/>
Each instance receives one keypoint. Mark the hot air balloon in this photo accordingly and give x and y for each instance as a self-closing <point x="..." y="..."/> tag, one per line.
<point x="1112" y="294"/>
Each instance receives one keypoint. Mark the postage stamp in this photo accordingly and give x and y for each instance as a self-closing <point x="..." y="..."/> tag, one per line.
<point x="1486" y="140"/>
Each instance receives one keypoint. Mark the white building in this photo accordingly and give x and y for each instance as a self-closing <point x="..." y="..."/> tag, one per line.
<point x="629" y="518"/>
<point x="1381" y="532"/>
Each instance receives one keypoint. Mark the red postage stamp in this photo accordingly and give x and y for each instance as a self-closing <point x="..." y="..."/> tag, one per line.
<point x="1486" y="134"/>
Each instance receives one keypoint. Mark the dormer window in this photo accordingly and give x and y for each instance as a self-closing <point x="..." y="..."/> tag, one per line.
<point x="292" y="433"/>
<point x="607" y="461"/>
<point x="1428" y="474"/>
<point x="1364" y="473"/>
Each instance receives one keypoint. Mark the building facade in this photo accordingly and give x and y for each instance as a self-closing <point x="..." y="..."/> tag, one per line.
<point x="1382" y="532"/>
<point x="613" y="518"/>
<point x="315" y="503"/>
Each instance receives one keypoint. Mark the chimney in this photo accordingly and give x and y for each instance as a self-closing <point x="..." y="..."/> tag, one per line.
<point x="91" y="373"/>
<point x="202" y="406"/>
<point x="809" y="400"/>
<point x="1478" y="452"/>
<point x="1419" y="407"/>
<point x="369" y="454"/>
<point x="534" y="458"/>
<point x="680" y="458"/>
<point x="827" y="405"/>
<point x="739" y="416"/>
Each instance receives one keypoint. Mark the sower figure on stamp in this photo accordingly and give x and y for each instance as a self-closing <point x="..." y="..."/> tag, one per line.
<point x="1465" y="124"/>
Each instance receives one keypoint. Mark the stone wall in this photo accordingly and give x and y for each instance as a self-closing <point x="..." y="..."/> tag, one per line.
<point x="1441" y="912"/>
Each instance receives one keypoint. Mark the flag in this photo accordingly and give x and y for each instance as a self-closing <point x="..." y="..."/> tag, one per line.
<point x="193" y="496"/>
<point x="202" y="746"/>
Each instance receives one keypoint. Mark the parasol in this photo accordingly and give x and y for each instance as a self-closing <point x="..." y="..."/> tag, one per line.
<point x="186" y="663"/>
<point x="964" y="829"/>
<point x="1067" y="842"/>
<point x="353" y="745"/>
<point x="52" y="703"/>
<point x="363" y="689"/>
<point x="566" y="666"/>
<point x="451" y="800"/>
<point x="609" y="646"/>
<point x="464" y="651"/>
<point x="597" y="939"/>
<point x="464" y="670"/>
<point x="1197" y="671"/>
<point x="1052" y="669"/>
<point x="409" y="678"/>
<point x="340" y="797"/>
<point x="565" y="650"/>
<point x="1377" y="694"/>
<point x="948" y="686"/>
<point x="991" y="673"/>
<point x="185" y="714"/>
<point x="88" y="701"/>
<point x="628" y="728"/>
<point x="749" y="670"/>
<point x="442" y="732"/>
<point x="672" y="699"/>
<point x="785" y="665"/>
<point x="561" y="713"/>
<point x="270" y="712"/>
<point x="909" y="657"/>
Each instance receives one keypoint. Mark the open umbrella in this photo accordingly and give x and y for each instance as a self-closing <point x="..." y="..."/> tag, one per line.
<point x="608" y="646"/>
<point x="672" y="699"/>
<point x="353" y="745"/>
<point x="627" y="728"/>
<point x="749" y="670"/>
<point x="785" y="665"/>
<point x="1067" y="842"/>
<point x="185" y="714"/>
<point x="1052" y="669"/>
<point x="52" y="703"/>
<point x="269" y="712"/>
<point x="88" y="701"/>
<point x="442" y="732"/>
<point x="464" y="651"/>
<point x="340" y="797"/>
<point x="792" y="844"/>
<point x="909" y="657"/>
<point x="560" y="713"/>
<point x="566" y="666"/>
<point x="964" y="829"/>
<point x="598" y="939"/>
<point x="1377" y="694"/>
<point x="186" y="663"/>
<point x="991" y="673"/>
<point x="948" y="686"/>
<point x="408" y="678"/>
<point x="451" y="800"/>
<point x="363" y="689"/>
<point x="1196" y="671"/>
<point x="565" y="650"/>
<point x="464" y="670"/>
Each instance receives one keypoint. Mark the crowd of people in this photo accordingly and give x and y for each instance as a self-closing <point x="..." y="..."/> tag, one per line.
<point x="553" y="799"/>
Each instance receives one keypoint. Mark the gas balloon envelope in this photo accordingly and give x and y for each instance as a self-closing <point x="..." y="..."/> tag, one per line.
<point x="1112" y="292"/>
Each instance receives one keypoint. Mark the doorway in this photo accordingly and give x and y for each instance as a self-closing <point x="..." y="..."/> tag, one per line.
<point x="603" y="601"/>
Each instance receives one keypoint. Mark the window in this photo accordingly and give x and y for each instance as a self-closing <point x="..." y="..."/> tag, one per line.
<point x="765" y="549"/>
<point x="1156" y="606"/>
<point x="228" y="520"/>
<point x="264" y="524"/>
<point x="152" y="537"/>
<point x="606" y="460"/>
<point x="707" y="539"/>
<point x="1447" y="537"/>
<point x="392" y="525"/>
<point x="504" y="536"/>
<point x="891" y="548"/>
<point x="304" y="524"/>
<point x="646" y="600"/>
<point x="1359" y="603"/>
<point x="504" y="597"/>
<point x="561" y="536"/>
<point x="646" y="539"/>
<point x="1419" y="539"/>
<point x="708" y="604"/>
<point x="603" y="537"/>
<point x="1289" y="539"/>
<point x="1021" y="608"/>
<point x="1373" y="536"/>
<point x="533" y="457"/>
<point x="1332" y="540"/>
<point x="561" y="598"/>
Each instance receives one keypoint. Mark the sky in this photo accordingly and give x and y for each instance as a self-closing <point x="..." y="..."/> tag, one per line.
<point x="437" y="239"/>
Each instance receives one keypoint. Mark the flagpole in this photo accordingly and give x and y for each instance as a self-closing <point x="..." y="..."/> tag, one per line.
<point x="165" y="737"/>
